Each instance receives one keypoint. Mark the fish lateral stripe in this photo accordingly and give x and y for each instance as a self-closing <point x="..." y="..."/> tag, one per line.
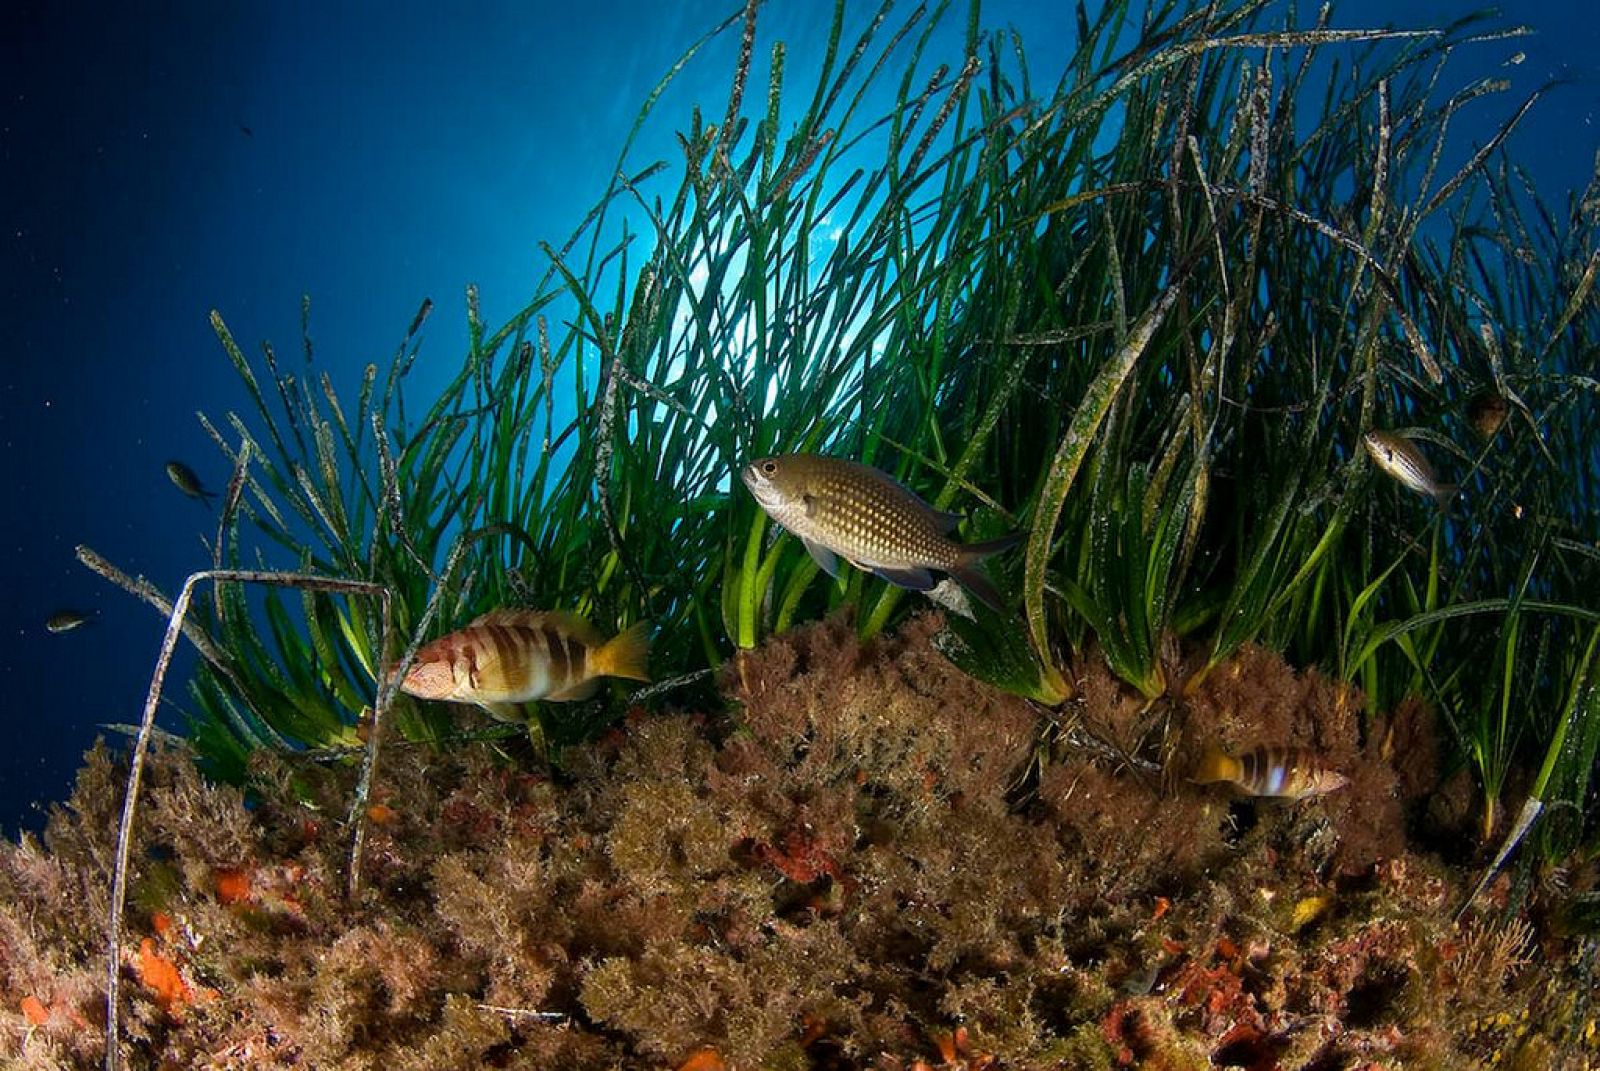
<point x="560" y="664"/>
<point x="1276" y="775"/>
<point x="466" y="657"/>
<point x="508" y="669"/>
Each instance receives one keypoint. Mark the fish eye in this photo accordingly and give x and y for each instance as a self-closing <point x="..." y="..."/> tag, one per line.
<point x="769" y="467"/>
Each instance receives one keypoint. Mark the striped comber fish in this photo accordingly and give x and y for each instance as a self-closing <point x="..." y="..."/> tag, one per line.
<point x="841" y="509"/>
<point x="1285" y="772"/>
<point x="1402" y="459"/>
<point x="508" y="657"/>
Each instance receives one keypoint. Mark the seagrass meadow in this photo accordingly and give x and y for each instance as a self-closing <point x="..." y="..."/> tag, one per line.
<point x="1141" y="307"/>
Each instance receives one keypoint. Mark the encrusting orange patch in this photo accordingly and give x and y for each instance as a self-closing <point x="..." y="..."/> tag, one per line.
<point x="160" y="975"/>
<point x="381" y="814"/>
<point x="35" y="1011"/>
<point x="702" y="1060"/>
<point x="233" y="886"/>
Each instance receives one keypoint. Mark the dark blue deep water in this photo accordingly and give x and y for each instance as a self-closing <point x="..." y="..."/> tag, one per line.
<point x="157" y="162"/>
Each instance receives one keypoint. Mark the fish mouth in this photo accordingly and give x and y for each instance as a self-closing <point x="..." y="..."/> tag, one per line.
<point x="760" y="486"/>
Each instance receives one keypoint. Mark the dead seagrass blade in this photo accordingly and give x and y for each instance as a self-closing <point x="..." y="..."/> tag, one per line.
<point x="141" y="747"/>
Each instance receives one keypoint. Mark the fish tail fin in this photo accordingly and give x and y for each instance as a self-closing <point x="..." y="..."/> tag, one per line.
<point x="1445" y="493"/>
<point x="626" y="654"/>
<point x="969" y="576"/>
<point x="1216" y="765"/>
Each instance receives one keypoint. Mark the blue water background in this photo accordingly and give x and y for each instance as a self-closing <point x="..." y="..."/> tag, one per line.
<point x="157" y="165"/>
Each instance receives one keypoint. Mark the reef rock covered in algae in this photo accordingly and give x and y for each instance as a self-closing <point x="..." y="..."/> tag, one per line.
<point x="868" y="862"/>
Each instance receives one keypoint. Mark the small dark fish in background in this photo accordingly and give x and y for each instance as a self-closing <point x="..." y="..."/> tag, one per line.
<point x="1283" y="772"/>
<point x="246" y="131"/>
<point x="184" y="479"/>
<point x="1404" y="460"/>
<point x="67" y="620"/>
<point x="868" y="518"/>
<point x="1486" y="412"/>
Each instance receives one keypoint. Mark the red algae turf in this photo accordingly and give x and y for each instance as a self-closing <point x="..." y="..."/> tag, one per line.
<point x="868" y="860"/>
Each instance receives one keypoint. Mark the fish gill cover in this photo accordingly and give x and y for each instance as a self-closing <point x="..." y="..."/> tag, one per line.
<point x="1144" y="307"/>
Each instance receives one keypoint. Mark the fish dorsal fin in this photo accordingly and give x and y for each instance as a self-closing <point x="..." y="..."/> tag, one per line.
<point x="947" y="522"/>
<point x="502" y="616"/>
<point x="569" y="623"/>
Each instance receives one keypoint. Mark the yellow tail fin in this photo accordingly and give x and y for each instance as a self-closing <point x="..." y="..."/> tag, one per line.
<point x="1216" y="765"/>
<point x="627" y="654"/>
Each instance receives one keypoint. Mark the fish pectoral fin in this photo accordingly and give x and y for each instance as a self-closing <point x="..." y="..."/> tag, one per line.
<point x="915" y="579"/>
<point x="827" y="559"/>
<point x="511" y="712"/>
<point x="577" y="693"/>
<point x="815" y="504"/>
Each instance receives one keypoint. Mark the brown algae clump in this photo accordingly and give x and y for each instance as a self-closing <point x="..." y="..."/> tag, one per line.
<point x="859" y="865"/>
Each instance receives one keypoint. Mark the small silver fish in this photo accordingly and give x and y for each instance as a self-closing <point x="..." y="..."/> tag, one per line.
<point x="840" y="508"/>
<point x="185" y="480"/>
<point x="67" y="620"/>
<point x="1402" y="459"/>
